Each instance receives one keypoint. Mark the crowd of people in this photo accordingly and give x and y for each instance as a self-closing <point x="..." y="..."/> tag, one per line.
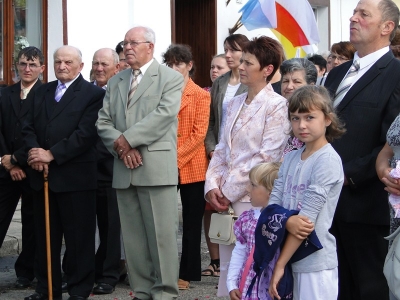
<point x="299" y="148"/>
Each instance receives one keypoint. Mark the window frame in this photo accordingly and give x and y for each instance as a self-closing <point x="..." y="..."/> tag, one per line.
<point x="8" y="39"/>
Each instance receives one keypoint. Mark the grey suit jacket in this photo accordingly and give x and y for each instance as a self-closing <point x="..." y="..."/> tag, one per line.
<point x="218" y="91"/>
<point x="149" y="124"/>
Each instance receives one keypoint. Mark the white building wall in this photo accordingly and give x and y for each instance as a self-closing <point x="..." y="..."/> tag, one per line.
<point x="341" y="12"/>
<point x="95" y="24"/>
<point x="54" y="34"/>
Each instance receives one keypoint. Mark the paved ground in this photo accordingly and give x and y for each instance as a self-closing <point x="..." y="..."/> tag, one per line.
<point x="205" y="289"/>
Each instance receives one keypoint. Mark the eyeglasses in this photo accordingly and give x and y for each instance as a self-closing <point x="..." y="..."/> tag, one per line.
<point x="339" y="58"/>
<point x="133" y="44"/>
<point x="23" y="66"/>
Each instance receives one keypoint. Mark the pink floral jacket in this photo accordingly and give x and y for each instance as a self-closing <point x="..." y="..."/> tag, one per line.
<point x="251" y="136"/>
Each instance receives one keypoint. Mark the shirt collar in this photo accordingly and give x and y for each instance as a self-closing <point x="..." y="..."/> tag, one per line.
<point x="370" y="58"/>
<point x="144" y="68"/>
<point x="67" y="84"/>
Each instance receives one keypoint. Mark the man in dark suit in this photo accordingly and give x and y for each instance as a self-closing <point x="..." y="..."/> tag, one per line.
<point x="367" y="107"/>
<point x="14" y="106"/>
<point x="60" y="138"/>
<point x="105" y="64"/>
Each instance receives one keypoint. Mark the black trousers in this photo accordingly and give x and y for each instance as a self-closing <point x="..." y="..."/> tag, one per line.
<point x="193" y="204"/>
<point x="72" y="214"/>
<point x="10" y="193"/>
<point x="361" y="251"/>
<point x="108" y="254"/>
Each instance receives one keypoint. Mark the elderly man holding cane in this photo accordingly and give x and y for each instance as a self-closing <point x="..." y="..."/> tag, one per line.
<point x="60" y="138"/>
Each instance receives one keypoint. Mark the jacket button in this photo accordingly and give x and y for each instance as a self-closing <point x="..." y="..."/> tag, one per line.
<point x="179" y="135"/>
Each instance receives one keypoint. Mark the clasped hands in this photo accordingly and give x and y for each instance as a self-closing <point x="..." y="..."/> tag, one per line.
<point x="217" y="200"/>
<point x="16" y="172"/>
<point x="39" y="159"/>
<point x="131" y="156"/>
<point x="392" y="184"/>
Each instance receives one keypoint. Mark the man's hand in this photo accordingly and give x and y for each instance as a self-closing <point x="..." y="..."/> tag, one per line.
<point x="41" y="167"/>
<point x="235" y="294"/>
<point x="299" y="226"/>
<point x="39" y="155"/>
<point x="17" y="174"/>
<point x="217" y="200"/>
<point x="6" y="162"/>
<point x="121" y="146"/>
<point x="133" y="159"/>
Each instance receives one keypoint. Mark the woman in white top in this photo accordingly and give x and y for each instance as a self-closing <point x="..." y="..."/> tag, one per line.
<point x="255" y="131"/>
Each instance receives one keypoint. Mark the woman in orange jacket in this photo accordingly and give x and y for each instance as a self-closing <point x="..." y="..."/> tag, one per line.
<point x="192" y="161"/>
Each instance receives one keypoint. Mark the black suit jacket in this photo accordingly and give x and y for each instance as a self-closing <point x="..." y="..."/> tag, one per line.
<point x="368" y="109"/>
<point x="68" y="131"/>
<point x="12" y="117"/>
<point x="105" y="161"/>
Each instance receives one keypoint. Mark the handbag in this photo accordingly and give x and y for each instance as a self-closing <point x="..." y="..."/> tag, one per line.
<point x="221" y="227"/>
<point x="391" y="267"/>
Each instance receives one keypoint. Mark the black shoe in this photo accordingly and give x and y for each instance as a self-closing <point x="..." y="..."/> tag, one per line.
<point x="39" y="296"/>
<point x="64" y="287"/>
<point x="76" y="297"/>
<point x="103" y="288"/>
<point x="22" y="283"/>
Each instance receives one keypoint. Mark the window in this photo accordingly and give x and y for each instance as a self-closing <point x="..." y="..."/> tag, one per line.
<point x="22" y="24"/>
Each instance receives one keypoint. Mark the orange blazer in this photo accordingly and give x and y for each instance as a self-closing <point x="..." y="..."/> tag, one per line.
<point x="193" y="119"/>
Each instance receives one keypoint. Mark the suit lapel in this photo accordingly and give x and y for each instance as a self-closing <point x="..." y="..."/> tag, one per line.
<point x="252" y="109"/>
<point x="124" y="85"/>
<point x="242" y="89"/>
<point x="25" y="106"/>
<point x="15" y="98"/>
<point x="186" y="95"/>
<point x="68" y="96"/>
<point x="223" y="86"/>
<point x="364" y="80"/>
<point x="146" y="82"/>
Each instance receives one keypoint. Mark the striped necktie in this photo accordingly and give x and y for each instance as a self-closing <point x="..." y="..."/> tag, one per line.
<point x="60" y="92"/>
<point x="346" y="83"/>
<point x="134" y="85"/>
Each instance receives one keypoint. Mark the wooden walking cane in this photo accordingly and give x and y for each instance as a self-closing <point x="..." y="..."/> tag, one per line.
<point x="48" y="248"/>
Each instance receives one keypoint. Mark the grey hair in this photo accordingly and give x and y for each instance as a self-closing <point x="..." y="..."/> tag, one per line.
<point x="149" y="34"/>
<point x="78" y="52"/>
<point x="390" y="12"/>
<point x="114" y="54"/>
<point x="300" y="64"/>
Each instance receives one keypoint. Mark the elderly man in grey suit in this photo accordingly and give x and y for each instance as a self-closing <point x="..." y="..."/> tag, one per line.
<point x="138" y="124"/>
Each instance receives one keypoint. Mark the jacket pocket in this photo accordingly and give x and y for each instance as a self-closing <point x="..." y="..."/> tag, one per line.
<point x="159" y="146"/>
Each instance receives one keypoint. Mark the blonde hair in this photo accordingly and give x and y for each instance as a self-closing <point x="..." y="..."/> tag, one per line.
<point x="265" y="174"/>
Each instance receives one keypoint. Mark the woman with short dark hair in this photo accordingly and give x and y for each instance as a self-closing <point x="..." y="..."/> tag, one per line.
<point x="255" y="131"/>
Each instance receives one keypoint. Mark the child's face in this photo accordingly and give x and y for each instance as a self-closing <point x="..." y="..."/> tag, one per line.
<point x="310" y="127"/>
<point x="259" y="195"/>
